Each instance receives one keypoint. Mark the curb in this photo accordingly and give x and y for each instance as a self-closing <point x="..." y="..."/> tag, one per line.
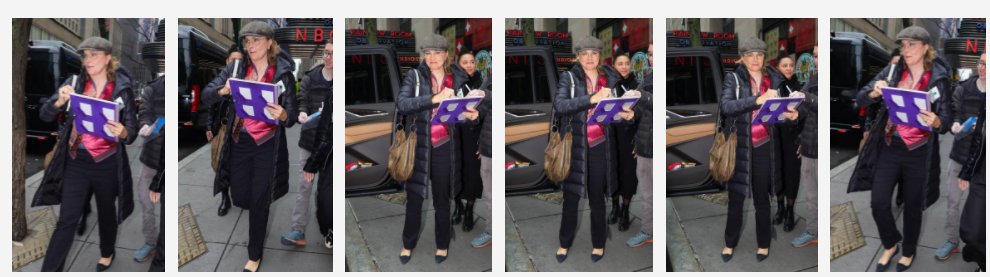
<point x="516" y="255"/>
<point x="679" y="251"/>
<point x="357" y="256"/>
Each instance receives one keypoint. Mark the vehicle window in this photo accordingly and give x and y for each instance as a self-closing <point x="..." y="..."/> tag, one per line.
<point x="843" y="61"/>
<point x="367" y="80"/>
<point x="690" y="81"/>
<point x="526" y="80"/>
<point x="183" y="55"/>
<point x="40" y="74"/>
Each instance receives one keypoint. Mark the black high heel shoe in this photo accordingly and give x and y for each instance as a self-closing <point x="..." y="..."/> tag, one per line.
<point x="727" y="257"/>
<point x="761" y="257"/>
<point x="562" y="257"/>
<point x="904" y="267"/>
<point x="256" y="269"/>
<point x="101" y="268"/>
<point x="404" y="259"/>
<point x="224" y="205"/>
<point x="597" y="257"/>
<point x="883" y="267"/>
<point x="440" y="258"/>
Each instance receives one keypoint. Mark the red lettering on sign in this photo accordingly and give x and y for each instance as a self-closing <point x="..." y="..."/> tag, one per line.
<point x="972" y="46"/>
<point x="318" y="34"/>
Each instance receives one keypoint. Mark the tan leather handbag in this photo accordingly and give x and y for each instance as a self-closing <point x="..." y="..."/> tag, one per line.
<point x="557" y="156"/>
<point x="402" y="152"/>
<point x="722" y="155"/>
<point x="216" y="144"/>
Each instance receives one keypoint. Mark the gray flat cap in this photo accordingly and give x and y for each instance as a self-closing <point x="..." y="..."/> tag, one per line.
<point x="587" y="43"/>
<point x="95" y="43"/>
<point x="914" y="33"/>
<point x="433" y="42"/>
<point x="257" y="28"/>
<point x="752" y="44"/>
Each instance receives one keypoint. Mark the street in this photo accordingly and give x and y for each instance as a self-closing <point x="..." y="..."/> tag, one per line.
<point x="932" y="233"/>
<point x="226" y="237"/>
<point x="532" y="233"/>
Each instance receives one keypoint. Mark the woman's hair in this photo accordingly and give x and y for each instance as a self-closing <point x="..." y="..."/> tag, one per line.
<point x="273" y="52"/>
<point x="785" y="55"/>
<point x="930" y="56"/>
<point x="462" y="55"/>
<point x="233" y="49"/>
<point x="112" y="67"/>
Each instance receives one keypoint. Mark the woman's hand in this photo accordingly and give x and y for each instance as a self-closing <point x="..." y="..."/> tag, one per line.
<point x="471" y="113"/>
<point x="225" y="90"/>
<point x="117" y="129"/>
<point x="627" y="114"/>
<point x="771" y="93"/>
<point x="931" y="119"/>
<point x="600" y="95"/>
<point x="63" y="96"/>
<point x="154" y="196"/>
<point x="442" y="95"/>
<point x="791" y="114"/>
<point x="876" y="93"/>
<point x="308" y="176"/>
<point x="145" y="130"/>
<point x="963" y="184"/>
<point x="276" y="111"/>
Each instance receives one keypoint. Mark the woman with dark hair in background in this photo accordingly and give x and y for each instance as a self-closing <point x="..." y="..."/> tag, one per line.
<point x="214" y="120"/>
<point x="787" y="134"/>
<point x="471" y="185"/>
<point x="624" y="137"/>
<point x="84" y="164"/>
<point x="757" y="169"/>
<point x="254" y="161"/>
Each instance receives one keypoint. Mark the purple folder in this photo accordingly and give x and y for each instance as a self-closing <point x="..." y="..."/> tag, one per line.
<point x="251" y="98"/>
<point x="92" y="114"/>
<point x="772" y="111"/>
<point x="452" y="110"/>
<point x="904" y="106"/>
<point x="607" y="110"/>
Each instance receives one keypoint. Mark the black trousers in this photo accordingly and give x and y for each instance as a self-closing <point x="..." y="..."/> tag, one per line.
<point x="83" y="176"/>
<point x="158" y="264"/>
<point x="471" y="187"/>
<point x="440" y="166"/>
<point x="252" y="168"/>
<point x="790" y="165"/>
<point x="596" y="200"/>
<point x="324" y="201"/>
<point x="626" y="164"/>
<point x="897" y="164"/>
<point x="760" y="189"/>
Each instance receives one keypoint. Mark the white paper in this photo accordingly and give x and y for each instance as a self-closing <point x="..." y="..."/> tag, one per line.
<point x="268" y="95"/>
<point x="902" y="116"/>
<point x="608" y="107"/>
<point x="267" y="114"/>
<point x="921" y="104"/>
<point x="791" y="106"/>
<point x="444" y="118"/>
<point x="461" y="117"/>
<point x="248" y="109"/>
<point x="108" y="114"/>
<point x="781" y="117"/>
<point x="106" y="130"/>
<point x="774" y="106"/>
<point x="451" y="107"/>
<point x="626" y="106"/>
<point x="897" y="99"/>
<point x="922" y="122"/>
<point x="86" y="109"/>
<point x="766" y="118"/>
<point x="88" y="125"/>
<point x="245" y="93"/>
<point x="616" y="117"/>
<point x="601" y="118"/>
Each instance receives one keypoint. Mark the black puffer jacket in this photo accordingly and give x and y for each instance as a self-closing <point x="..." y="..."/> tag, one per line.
<point x="573" y="114"/>
<point x="50" y="190"/>
<point x="644" y="118"/>
<point x="740" y="111"/>
<point x="417" y="111"/>
<point x="471" y="132"/>
<point x="966" y="103"/>
<point x="975" y="167"/>
<point x="319" y="161"/>
<point x="158" y="182"/>
<point x="152" y="107"/>
<point x="809" y="116"/>
<point x="485" y="119"/>
<point x="312" y="90"/>
<point x="862" y="177"/>
<point x="284" y="67"/>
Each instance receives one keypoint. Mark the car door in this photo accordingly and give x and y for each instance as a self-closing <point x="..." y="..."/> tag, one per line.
<point x="694" y="79"/>
<point x="530" y="81"/>
<point x="371" y="85"/>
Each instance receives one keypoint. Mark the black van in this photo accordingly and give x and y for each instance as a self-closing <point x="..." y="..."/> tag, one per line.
<point x="200" y="60"/>
<point x="50" y="63"/>
<point x="856" y="58"/>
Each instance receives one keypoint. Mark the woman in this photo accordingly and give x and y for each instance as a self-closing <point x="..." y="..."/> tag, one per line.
<point x="439" y="168"/>
<point x="900" y="153"/>
<point x="624" y="138"/>
<point x="593" y="152"/>
<point x="319" y="163"/>
<point x="254" y="161"/>
<point x="471" y="165"/>
<point x="84" y="164"/>
<point x="757" y="169"/>
<point x="787" y="134"/>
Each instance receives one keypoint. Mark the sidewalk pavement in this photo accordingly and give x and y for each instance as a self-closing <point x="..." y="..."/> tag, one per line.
<point x="226" y="237"/>
<point x="933" y="222"/>
<point x="85" y="251"/>
<point x="696" y="236"/>
<point x="376" y="224"/>
<point x="533" y="227"/>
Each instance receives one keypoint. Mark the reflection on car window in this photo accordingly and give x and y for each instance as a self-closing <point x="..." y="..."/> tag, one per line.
<point x="40" y="73"/>
<point x="526" y="80"/>
<point x="690" y="81"/>
<point x="367" y="80"/>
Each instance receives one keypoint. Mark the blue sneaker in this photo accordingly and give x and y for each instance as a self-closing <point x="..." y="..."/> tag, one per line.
<point x="145" y="253"/>
<point x="640" y="239"/>
<point x="294" y="238"/>
<point x="804" y="239"/>
<point x="482" y="240"/>
<point x="948" y="248"/>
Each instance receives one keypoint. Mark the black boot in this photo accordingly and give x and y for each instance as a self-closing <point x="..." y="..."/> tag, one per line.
<point x="468" y="216"/>
<point x="781" y="212"/>
<point x="613" y="215"/>
<point x="789" y="221"/>
<point x="225" y="204"/>
<point x="455" y="216"/>
<point x="624" y="217"/>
